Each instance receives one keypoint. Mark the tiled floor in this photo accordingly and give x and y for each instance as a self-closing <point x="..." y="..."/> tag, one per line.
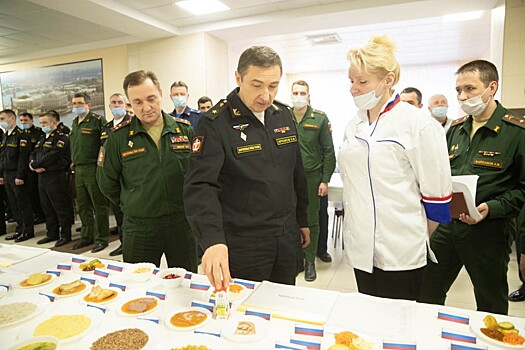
<point x="339" y="276"/>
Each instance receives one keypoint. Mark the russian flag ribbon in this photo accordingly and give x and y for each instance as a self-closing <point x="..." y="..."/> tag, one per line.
<point x="151" y="319"/>
<point x="265" y="315"/>
<point x="155" y="271"/>
<point x="396" y="345"/>
<point x="101" y="273"/>
<point x="54" y="272"/>
<point x="458" y="318"/>
<point x="51" y="297"/>
<point x="187" y="276"/>
<point x="89" y="280"/>
<point x="160" y="295"/>
<point x="452" y="334"/>
<point x="64" y="267"/>
<point x="303" y="329"/>
<point x="208" y="306"/>
<point x="465" y="346"/>
<point x="247" y="284"/>
<point x="438" y="209"/>
<point x="289" y="346"/>
<point x="311" y="343"/>
<point x="122" y="287"/>
<point x="78" y="259"/>
<point x="199" y="286"/>
<point x="114" y="267"/>
<point x="103" y="309"/>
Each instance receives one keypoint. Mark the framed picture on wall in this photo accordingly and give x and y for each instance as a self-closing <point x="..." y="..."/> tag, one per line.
<point x="38" y="90"/>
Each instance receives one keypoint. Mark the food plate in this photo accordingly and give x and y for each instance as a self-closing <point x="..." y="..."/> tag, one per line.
<point x="92" y="317"/>
<point x="149" y="309"/>
<point x="175" y="341"/>
<point x="40" y="301"/>
<point x="22" y="284"/>
<point x="78" y="290"/>
<point x="476" y="323"/>
<point x="34" y="341"/>
<point x="237" y="291"/>
<point x="76" y="267"/>
<point x="195" y="317"/>
<point x="364" y="341"/>
<point x="150" y="328"/>
<point x="261" y="329"/>
<point x="85" y="299"/>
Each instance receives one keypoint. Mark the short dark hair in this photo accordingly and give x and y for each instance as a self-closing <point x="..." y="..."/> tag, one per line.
<point x="119" y="95"/>
<point x="413" y="89"/>
<point x="487" y="70"/>
<point x="52" y="114"/>
<point x="9" y="112"/>
<point x="179" y="83"/>
<point x="26" y="114"/>
<point x="85" y="96"/>
<point x="204" y="99"/>
<point x="259" y="56"/>
<point x="138" y="77"/>
<point x="302" y="83"/>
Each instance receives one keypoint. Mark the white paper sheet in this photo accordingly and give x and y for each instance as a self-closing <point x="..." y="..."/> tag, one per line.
<point x="467" y="185"/>
<point x="14" y="254"/>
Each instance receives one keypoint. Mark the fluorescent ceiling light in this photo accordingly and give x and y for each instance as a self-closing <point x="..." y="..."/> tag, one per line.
<point x="463" y="16"/>
<point x="202" y="7"/>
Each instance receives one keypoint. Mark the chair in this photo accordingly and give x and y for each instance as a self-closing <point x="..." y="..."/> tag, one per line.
<point x="337" y="226"/>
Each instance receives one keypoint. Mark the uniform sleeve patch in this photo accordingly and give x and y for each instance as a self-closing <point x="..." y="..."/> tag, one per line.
<point x="101" y="156"/>
<point x="329" y="127"/>
<point x="60" y="144"/>
<point x="198" y="142"/>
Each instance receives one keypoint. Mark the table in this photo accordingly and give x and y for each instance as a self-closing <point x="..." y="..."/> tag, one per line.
<point x="335" y="189"/>
<point x="375" y="319"/>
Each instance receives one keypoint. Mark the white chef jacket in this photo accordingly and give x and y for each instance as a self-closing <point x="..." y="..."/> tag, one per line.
<point x="395" y="174"/>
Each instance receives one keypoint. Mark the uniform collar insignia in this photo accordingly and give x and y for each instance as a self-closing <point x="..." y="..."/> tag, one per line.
<point x="236" y="112"/>
<point x="240" y="127"/>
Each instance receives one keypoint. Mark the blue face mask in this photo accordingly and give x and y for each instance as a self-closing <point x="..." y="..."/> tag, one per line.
<point x="25" y="126"/>
<point x="47" y="129"/>
<point x="439" y="112"/>
<point x="4" y="125"/>
<point x="118" y="112"/>
<point x="79" y="110"/>
<point x="179" y="101"/>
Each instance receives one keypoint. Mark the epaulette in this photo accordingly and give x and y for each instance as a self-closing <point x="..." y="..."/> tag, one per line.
<point x="318" y="111"/>
<point x="515" y="119"/>
<point x="121" y="125"/>
<point x="195" y="111"/>
<point x="108" y="124"/>
<point x="459" y="121"/>
<point x="217" y="110"/>
<point x="182" y="121"/>
<point x="280" y="105"/>
<point x="96" y="116"/>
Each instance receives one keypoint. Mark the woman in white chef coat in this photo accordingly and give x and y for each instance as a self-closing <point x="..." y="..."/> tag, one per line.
<point x="396" y="178"/>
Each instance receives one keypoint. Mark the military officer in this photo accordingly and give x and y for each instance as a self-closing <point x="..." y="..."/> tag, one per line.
<point x="14" y="168"/>
<point x="179" y="95"/>
<point x="488" y="142"/>
<point x="50" y="160"/>
<point x="317" y="152"/>
<point x="117" y="104"/>
<point x="245" y="192"/>
<point x="85" y="143"/>
<point x="35" y="133"/>
<point x="141" y="168"/>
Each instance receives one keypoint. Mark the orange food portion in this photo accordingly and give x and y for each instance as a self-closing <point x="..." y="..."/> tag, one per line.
<point x="188" y="318"/>
<point x="513" y="339"/>
<point x="81" y="287"/>
<point x="235" y="288"/>
<point x="25" y="284"/>
<point x="345" y="338"/>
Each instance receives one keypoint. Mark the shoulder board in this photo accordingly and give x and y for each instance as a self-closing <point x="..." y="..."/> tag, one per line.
<point x="195" y="111"/>
<point x="280" y="105"/>
<point x="96" y="116"/>
<point x="108" y="124"/>
<point x="459" y="121"/>
<point x="514" y="119"/>
<point x="318" y="111"/>
<point x="121" y="125"/>
<point x="182" y="121"/>
<point x="217" y="110"/>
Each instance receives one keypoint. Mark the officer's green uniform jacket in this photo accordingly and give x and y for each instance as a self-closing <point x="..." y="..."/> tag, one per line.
<point x="499" y="161"/>
<point x="144" y="181"/>
<point x="85" y="139"/>
<point x="315" y="140"/>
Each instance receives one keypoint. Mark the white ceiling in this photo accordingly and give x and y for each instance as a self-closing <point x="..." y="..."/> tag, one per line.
<point x="31" y="29"/>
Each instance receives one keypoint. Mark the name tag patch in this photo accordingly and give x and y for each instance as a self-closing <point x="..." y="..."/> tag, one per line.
<point x="285" y="140"/>
<point x="488" y="163"/>
<point x="86" y="131"/>
<point x="180" y="146"/>
<point x="311" y="126"/>
<point x="132" y="152"/>
<point x="249" y="148"/>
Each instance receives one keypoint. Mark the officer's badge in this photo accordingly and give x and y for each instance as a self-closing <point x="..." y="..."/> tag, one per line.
<point x="130" y="143"/>
<point x="282" y="130"/>
<point x="241" y="127"/>
<point x="198" y="142"/>
<point x="177" y="139"/>
<point x="131" y="133"/>
<point x="60" y="144"/>
<point x="243" y="136"/>
<point x="496" y="129"/>
<point x="236" y="112"/>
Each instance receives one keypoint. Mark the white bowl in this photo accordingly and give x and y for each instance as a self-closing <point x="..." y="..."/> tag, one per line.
<point x="141" y="276"/>
<point x="171" y="283"/>
<point x="33" y="340"/>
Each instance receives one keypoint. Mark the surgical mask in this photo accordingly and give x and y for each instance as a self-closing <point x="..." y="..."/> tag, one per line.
<point x="4" y="125"/>
<point x="25" y="126"/>
<point x="79" y="110"/>
<point x="179" y="101"/>
<point x="475" y="106"/>
<point x="118" y="112"/>
<point x="47" y="129"/>
<point x="367" y="101"/>
<point x="299" y="101"/>
<point x="439" y="112"/>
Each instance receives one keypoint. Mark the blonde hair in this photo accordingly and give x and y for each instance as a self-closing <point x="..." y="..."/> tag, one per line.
<point x="376" y="57"/>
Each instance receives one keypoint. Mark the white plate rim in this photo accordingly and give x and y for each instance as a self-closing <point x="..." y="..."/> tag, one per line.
<point x="169" y="315"/>
<point x="42" y="302"/>
<point x="228" y="330"/>
<point x="477" y="323"/>
<point x="53" y="277"/>
<point x="122" y="313"/>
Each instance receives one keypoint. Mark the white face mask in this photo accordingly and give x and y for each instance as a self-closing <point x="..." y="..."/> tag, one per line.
<point x="299" y="101"/>
<point x="474" y="106"/>
<point x="369" y="100"/>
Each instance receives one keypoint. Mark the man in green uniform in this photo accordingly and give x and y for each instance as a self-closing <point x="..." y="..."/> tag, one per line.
<point x="317" y="152"/>
<point x="85" y="143"/>
<point x="141" y="168"/>
<point x="488" y="142"/>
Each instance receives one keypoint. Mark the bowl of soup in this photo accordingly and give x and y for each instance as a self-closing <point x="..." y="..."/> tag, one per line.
<point x="37" y="343"/>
